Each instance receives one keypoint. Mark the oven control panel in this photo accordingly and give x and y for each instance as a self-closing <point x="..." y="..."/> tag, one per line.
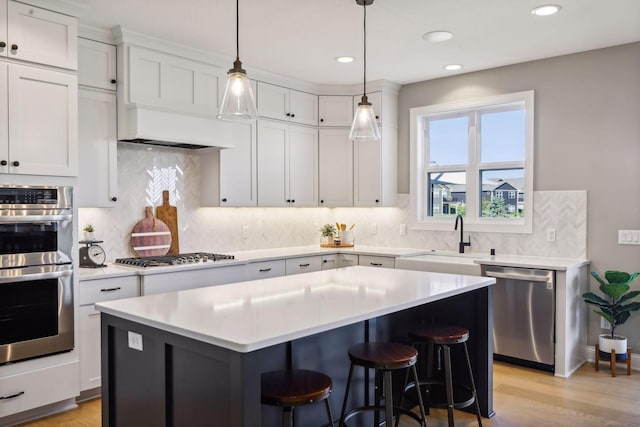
<point x="12" y="197"/>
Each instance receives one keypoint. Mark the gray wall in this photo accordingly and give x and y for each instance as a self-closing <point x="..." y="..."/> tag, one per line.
<point x="587" y="137"/>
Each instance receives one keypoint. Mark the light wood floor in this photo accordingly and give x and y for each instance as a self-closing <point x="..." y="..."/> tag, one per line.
<point x="522" y="397"/>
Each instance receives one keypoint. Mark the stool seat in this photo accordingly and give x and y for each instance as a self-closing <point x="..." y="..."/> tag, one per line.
<point x="294" y="387"/>
<point x="383" y="355"/>
<point x="445" y="334"/>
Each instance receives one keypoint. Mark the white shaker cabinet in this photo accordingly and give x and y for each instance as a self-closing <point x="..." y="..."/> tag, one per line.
<point x="377" y="261"/>
<point x="287" y="165"/>
<point x="375" y="170"/>
<point x="347" y="260"/>
<point x="96" y="64"/>
<point x="305" y="264"/>
<point x="335" y="169"/>
<point x="335" y="110"/>
<point x="38" y="35"/>
<point x="228" y="176"/>
<point x="281" y="103"/>
<point x="98" y="168"/>
<point x="42" y="113"/>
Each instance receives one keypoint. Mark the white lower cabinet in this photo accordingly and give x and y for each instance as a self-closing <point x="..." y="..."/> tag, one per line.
<point x="303" y="265"/>
<point x="347" y="260"/>
<point x="329" y="261"/>
<point x="39" y="387"/>
<point x="91" y="292"/>
<point x="265" y="269"/>
<point x="190" y="279"/>
<point x="377" y="261"/>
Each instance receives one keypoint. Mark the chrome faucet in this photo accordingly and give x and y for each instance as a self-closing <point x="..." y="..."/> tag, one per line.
<point x="462" y="243"/>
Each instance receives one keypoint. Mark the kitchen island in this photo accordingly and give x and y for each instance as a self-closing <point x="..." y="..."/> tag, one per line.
<point x="194" y="357"/>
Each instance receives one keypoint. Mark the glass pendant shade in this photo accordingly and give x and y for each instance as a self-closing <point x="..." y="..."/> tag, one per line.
<point x="238" y="102"/>
<point x="365" y="125"/>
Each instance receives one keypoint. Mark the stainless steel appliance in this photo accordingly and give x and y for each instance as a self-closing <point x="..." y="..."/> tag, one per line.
<point x="158" y="261"/>
<point x="523" y="316"/>
<point x="36" y="291"/>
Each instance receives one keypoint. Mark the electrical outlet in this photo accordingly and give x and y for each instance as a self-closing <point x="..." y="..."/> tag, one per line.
<point x="551" y="234"/>
<point x="135" y="341"/>
<point x="403" y="229"/>
<point x="245" y="231"/>
<point x="374" y="228"/>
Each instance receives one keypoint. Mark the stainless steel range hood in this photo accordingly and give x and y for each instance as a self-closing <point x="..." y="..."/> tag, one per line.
<point x="147" y="125"/>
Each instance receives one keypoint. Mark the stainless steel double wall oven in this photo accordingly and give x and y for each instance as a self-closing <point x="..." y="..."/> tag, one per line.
<point x="36" y="271"/>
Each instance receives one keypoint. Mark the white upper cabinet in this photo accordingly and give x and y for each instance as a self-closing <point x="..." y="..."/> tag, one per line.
<point x="375" y="177"/>
<point x="38" y="35"/>
<point x="335" y="167"/>
<point x="287" y="165"/>
<point x="171" y="82"/>
<point x="42" y="113"/>
<point x="98" y="168"/>
<point x="96" y="64"/>
<point x="335" y="110"/>
<point x="281" y="103"/>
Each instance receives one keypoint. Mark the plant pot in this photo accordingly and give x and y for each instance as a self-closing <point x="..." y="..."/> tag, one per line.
<point x="89" y="236"/>
<point x="326" y="240"/>
<point x="618" y="343"/>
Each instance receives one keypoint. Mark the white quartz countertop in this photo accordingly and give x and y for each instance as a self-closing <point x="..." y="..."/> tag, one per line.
<point x="248" y="316"/>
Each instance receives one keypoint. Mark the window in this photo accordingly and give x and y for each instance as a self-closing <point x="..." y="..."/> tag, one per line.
<point x="478" y="155"/>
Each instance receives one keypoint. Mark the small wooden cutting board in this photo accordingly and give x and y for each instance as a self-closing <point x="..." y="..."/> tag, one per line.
<point x="150" y="236"/>
<point x="169" y="215"/>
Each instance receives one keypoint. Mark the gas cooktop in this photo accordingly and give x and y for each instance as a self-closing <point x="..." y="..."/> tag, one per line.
<point x="164" y="260"/>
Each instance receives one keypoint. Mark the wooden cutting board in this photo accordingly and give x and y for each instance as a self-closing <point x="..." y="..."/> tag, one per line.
<point x="150" y="236"/>
<point x="169" y="215"/>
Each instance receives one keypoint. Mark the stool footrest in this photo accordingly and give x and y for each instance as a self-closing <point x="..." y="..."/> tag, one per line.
<point x="397" y="410"/>
<point x="435" y="395"/>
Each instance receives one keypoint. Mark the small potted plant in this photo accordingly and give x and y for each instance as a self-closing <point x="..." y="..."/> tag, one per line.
<point x="615" y="308"/>
<point x="88" y="232"/>
<point x="328" y="231"/>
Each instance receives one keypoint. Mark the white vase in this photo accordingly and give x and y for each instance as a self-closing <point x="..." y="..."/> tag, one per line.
<point x="89" y="236"/>
<point x="618" y="343"/>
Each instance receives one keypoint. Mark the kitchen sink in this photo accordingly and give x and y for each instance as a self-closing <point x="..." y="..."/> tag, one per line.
<point x="442" y="262"/>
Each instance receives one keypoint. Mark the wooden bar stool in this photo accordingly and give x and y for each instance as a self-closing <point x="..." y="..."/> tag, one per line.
<point x="384" y="357"/>
<point x="440" y="394"/>
<point x="289" y="388"/>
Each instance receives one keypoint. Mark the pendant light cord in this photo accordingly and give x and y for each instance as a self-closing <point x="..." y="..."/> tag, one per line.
<point x="237" y="30"/>
<point x="365" y="48"/>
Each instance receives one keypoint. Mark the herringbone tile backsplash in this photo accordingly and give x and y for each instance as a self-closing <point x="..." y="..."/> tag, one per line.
<point x="144" y="173"/>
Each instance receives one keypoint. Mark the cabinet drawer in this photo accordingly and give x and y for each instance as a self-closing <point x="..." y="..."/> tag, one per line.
<point x="92" y="291"/>
<point x="40" y="387"/>
<point x="265" y="269"/>
<point x="329" y="261"/>
<point x="190" y="279"/>
<point x="347" y="260"/>
<point x="377" y="261"/>
<point x="303" y="264"/>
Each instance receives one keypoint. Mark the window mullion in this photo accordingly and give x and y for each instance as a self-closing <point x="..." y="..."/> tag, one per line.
<point x="473" y="200"/>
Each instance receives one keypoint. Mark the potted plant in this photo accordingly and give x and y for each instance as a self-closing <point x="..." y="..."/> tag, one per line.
<point x="327" y="232"/>
<point x="88" y="232"/>
<point x="615" y="308"/>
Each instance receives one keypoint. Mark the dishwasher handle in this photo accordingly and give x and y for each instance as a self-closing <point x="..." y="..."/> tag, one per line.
<point x="522" y="274"/>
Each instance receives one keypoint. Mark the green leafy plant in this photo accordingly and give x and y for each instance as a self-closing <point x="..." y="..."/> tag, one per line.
<point x="328" y="230"/>
<point x="616" y="306"/>
<point x="88" y="228"/>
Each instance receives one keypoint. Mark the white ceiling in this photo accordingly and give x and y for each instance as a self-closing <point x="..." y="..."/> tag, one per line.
<point x="301" y="38"/>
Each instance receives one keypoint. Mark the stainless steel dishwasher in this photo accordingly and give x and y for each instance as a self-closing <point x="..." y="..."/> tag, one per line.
<point x="523" y="316"/>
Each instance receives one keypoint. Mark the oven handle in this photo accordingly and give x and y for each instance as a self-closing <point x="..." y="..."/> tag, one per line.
<point x="35" y="218"/>
<point x="36" y="276"/>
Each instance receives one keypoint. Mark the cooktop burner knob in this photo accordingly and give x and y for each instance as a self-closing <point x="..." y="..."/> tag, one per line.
<point x="205" y="258"/>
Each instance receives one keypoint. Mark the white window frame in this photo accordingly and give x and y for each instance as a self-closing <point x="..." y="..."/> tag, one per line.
<point x="419" y="168"/>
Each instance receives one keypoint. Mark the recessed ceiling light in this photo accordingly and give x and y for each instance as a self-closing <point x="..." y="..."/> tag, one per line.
<point x="546" y="10"/>
<point x="344" y="59"/>
<point x="453" y="67"/>
<point x="437" y="36"/>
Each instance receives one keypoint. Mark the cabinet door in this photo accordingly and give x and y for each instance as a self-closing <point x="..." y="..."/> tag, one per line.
<point x="265" y="269"/>
<point x="303" y="166"/>
<point x="43" y="108"/>
<point x="4" y="114"/>
<point x="238" y="182"/>
<point x="303" y="265"/>
<point x="89" y="348"/>
<point x="377" y="261"/>
<point x="96" y="64"/>
<point x="335" y="168"/>
<point x="366" y="173"/>
<point x="42" y="36"/>
<point x="273" y="101"/>
<point x="303" y="108"/>
<point x="272" y="161"/>
<point x="335" y="110"/>
<point x="329" y="262"/>
<point x="97" y="147"/>
<point x="347" y="260"/>
<point x="375" y="98"/>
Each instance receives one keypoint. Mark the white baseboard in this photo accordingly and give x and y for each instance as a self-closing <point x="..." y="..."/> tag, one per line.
<point x="635" y="358"/>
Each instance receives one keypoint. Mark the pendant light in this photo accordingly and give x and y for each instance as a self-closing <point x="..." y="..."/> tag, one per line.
<point x="364" y="126"/>
<point x="238" y="102"/>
